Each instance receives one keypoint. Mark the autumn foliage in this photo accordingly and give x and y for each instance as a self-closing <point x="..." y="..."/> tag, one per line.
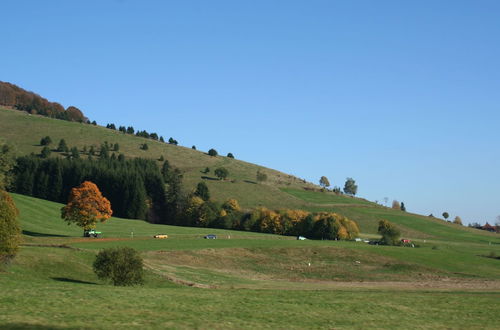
<point x="86" y="205"/>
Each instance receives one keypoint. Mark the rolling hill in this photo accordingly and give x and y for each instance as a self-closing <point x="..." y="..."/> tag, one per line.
<point x="280" y="190"/>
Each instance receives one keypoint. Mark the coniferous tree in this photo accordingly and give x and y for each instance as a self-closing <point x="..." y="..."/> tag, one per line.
<point x="62" y="146"/>
<point x="202" y="191"/>
<point x="46" y="141"/>
<point x="45" y="153"/>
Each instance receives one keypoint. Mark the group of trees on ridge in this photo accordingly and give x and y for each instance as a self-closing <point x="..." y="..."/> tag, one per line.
<point x="350" y="186"/>
<point x="20" y="99"/>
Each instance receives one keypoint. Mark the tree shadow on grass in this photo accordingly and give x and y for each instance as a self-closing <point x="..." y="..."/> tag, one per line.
<point x="29" y="326"/>
<point x="248" y="181"/>
<point x="70" y="280"/>
<point x="209" y="178"/>
<point x="35" y="234"/>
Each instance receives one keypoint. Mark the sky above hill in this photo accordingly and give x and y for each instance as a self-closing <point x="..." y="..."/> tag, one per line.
<point x="402" y="96"/>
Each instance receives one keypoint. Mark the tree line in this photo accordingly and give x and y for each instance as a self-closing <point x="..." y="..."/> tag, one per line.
<point x="135" y="187"/>
<point x="20" y="99"/>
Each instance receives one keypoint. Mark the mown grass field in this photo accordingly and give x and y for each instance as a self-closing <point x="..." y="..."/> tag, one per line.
<point x="246" y="280"/>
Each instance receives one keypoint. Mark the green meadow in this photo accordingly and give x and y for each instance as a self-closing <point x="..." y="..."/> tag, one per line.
<point x="241" y="279"/>
<point x="246" y="280"/>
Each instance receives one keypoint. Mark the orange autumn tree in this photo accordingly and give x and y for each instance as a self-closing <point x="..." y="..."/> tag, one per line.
<point x="86" y="205"/>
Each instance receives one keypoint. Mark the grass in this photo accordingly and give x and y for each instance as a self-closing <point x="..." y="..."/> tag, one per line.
<point x="242" y="279"/>
<point x="251" y="280"/>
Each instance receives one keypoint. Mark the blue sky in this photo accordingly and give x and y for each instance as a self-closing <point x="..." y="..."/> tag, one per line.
<point x="403" y="96"/>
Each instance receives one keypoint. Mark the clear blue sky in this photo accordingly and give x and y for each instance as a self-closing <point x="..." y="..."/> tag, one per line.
<point x="403" y="96"/>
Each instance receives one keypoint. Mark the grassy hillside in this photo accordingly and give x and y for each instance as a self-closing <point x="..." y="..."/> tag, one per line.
<point x="243" y="280"/>
<point x="279" y="191"/>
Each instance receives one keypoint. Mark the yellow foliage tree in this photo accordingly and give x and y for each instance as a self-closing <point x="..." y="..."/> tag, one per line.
<point x="86" y="205"/>
<point x="231" y="205"/>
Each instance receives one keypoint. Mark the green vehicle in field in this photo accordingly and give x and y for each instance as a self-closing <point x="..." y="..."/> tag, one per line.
<point x="91" y="233"/>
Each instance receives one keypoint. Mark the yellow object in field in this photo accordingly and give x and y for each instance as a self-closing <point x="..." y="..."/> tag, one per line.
<point x="160" y="236"/>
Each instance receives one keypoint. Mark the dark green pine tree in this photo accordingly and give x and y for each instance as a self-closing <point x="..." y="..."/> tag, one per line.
<point x="202" y="191"/>
<point x="62" y="146"/>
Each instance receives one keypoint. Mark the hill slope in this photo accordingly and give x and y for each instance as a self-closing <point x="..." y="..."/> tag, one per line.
<point x="281" y="190"/>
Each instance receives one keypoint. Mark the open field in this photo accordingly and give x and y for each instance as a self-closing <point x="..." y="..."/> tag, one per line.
<point x="245" y="280"/>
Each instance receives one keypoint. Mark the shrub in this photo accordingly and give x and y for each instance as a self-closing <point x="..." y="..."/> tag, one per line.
<point x="230" y="155"/>
<point x="122" y="266"/>
<point x="261" y="176"/>
<point x="212" y="152"/>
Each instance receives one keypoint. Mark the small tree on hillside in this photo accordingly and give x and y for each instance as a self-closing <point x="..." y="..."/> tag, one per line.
<point x="390" y="234"/>
<point x="458" y="220"/>
<point x="230" y="155"/>
<point x="212" y="152"/>
<point x="202" y="191"/>
<point x="350" y="187"/>
<point x="45" y="141"/>
<point x="86" y="206"/>
<point x="45" y="153"/>
<point x="10" y="232"/>
<point x="446" y="215"/>
<point x="403" y="207"/>
<point x="221" y="173"/>
<point x="74" y="153"/>
<point x="122" y="266"/>
<point x="62" y="146"/>
<point x="261" y="176"/>
<point x="396" y="205"/>
<point x="323" y="182"/>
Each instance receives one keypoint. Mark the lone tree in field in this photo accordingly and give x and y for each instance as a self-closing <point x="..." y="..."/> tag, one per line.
<point x="323" y="182"/>
<point x="396" y="205"/>
<point x="86" y="205"/>
<point x="350" y="187"/>
<point x="458" y="220"/>
<point x="10" y="232"/>
<point x="403" y="207"/>
<point x="212" y="152"/>
<point x="445" y="215"/>
<point x="122" y="266"/>
<point x="390" y="234"/>
<point x="221" y="173"/>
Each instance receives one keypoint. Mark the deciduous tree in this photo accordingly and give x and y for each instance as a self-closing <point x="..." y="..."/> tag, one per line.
<point x="446" y="215"/>
<point x="350" y="187"/>
<point x="86" y="206"/>
<point x="212" y="152"/>
<point x="390" y="234"/>
<point x="458" y="220"/>
<point x="221" y="173"/>
<point x="323" y="182"/>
